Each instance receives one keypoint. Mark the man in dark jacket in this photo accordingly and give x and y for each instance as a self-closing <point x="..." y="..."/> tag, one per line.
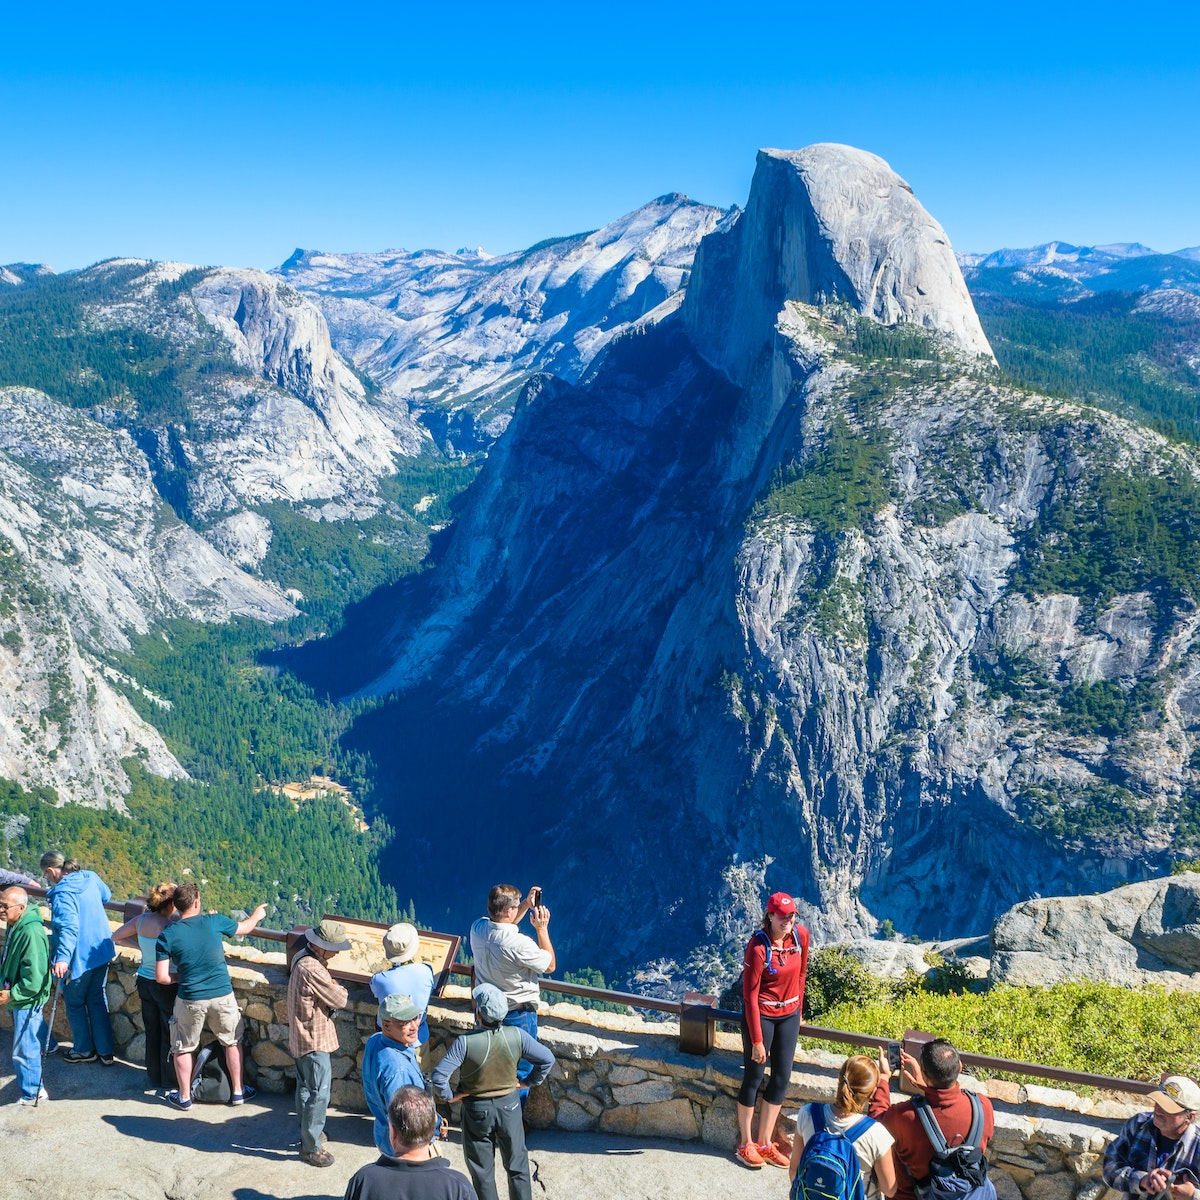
<point x="486" y="1060"/>
<point x="25" y="988"/>
<point x="409" y="1172"/>
<point x="936" y="1077"/>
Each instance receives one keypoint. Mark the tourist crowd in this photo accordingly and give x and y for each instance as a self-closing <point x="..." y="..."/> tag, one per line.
<point x="859" y="1147"/>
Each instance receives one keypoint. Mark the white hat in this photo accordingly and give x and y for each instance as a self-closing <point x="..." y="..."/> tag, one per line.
<point x="401" y="942"/>
<point x="1177" y="1094"/>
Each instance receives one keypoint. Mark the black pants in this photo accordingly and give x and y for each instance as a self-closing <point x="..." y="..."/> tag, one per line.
<point x="486" y="1125"/>
<point x="158" y="1002"/>
<point x="779" y="1036"/>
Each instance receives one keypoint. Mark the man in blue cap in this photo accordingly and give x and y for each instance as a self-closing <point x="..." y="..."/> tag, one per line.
<point x="486" y="1060"/>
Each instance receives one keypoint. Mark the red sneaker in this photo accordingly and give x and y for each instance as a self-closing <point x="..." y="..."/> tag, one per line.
<point x="770" y="1153"/>
<point x="748" y="1155"/>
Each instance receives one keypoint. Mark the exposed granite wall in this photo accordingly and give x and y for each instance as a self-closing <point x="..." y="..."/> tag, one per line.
<point x="625" y="1075"/>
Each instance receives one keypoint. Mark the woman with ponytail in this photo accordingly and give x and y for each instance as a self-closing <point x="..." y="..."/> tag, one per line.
<point x="772" y="996"/>
<point x="857" y="1081"/>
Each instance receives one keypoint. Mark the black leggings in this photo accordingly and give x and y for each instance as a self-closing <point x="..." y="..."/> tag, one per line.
<point x="779" y="1036"/>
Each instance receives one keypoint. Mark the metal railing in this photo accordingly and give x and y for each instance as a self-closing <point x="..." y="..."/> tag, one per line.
<point x="710" y="1015"/>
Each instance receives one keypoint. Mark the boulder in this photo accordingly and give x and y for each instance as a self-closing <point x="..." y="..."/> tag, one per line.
<point x="1142" y="933"/>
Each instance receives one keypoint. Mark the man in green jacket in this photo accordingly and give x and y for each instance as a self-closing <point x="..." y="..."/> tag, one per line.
<point x="25" y="988"/>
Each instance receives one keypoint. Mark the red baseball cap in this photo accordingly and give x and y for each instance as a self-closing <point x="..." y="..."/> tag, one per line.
<point x="781" y="903"/>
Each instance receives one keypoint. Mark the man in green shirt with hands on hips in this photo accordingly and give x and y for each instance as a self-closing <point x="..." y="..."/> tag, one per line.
<point x="193" y="946"/>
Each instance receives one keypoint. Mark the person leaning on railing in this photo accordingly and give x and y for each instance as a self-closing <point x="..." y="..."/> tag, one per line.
<point x="158" y="999"/>
<point x="1158" y="1152"/>
<point x="81" y="947"/>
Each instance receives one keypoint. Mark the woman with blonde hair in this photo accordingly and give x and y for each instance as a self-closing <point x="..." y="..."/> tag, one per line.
<point x="158" y="1000"/>
<point x="856" y="1084"/>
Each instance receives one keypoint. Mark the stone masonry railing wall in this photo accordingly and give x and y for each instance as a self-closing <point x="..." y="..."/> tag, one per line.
<point x="625" y="1075"/>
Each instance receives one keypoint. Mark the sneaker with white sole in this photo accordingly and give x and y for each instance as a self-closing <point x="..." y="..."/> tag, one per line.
<point x="247" y="1093"/>
<point x="747" y="1154"/>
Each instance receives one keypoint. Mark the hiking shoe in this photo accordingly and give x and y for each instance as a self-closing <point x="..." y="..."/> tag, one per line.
<point x="770" y="1153"/>
<point x="176" y="1101"/>
<point x="747" y="1154"/>
<point x="73" y="1056"/>
<point x="317" y="1158"/>
<point x="108" y="1059"/>
<point x="248" y="1093"/>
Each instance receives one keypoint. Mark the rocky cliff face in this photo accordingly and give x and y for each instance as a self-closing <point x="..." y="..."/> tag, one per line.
<point x="455" y="336"/>
<point x="793" y="589"/>
<point x="183" y="402"/>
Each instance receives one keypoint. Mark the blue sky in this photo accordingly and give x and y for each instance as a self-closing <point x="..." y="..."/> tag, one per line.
<point x="232" y="134"/>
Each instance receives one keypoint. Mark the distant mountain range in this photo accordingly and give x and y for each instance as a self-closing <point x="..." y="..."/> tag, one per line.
<point x="1059" y="271"/>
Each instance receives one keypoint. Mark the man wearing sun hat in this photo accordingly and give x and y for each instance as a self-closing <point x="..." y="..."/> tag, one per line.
<point x="1158" y="1152"/>
<point x="313" y="997"/>
<point x="403" y="975"/>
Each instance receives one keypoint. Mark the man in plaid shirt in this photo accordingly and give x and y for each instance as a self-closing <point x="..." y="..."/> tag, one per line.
<point x="312" y="998"/>
<point x="1158" y="1153"/>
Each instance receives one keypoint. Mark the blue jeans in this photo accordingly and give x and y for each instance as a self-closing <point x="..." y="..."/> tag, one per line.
<point x="528" y="1022"/>
<point x="29" y="1039"/>
<point x="87" y="1012"/>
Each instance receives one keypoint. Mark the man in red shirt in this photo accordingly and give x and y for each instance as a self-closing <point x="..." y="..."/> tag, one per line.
<point x="936" y="1075"/>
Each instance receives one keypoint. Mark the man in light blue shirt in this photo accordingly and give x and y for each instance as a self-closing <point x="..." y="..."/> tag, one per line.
<point x="390" y="1061"/>
<point x="403" y="974"/>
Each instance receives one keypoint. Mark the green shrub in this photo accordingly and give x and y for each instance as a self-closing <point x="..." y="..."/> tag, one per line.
<point x="1134" y="1034"/>
<point x="836" y="979"/>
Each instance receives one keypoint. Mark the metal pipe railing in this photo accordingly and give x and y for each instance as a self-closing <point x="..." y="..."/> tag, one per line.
<point x="813" y="1032"/>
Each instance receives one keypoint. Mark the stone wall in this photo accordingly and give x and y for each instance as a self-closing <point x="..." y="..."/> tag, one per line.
<point x="625" y="1075"/>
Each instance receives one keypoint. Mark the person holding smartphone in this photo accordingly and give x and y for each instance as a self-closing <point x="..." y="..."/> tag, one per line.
<point x="511" y="960"/>
<point x="773" y="995"/>
<point x="1158" y="1152"/>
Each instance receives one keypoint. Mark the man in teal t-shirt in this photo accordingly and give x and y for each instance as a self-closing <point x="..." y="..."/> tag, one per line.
<point x="193" y="947"/>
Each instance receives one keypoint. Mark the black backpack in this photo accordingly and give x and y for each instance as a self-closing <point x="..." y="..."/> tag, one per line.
<point x="210" y="1077"/>
<point x="955" y="1172"/>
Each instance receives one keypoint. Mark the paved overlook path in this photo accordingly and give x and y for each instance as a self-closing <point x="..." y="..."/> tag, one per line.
<point x="103" y="1138"/>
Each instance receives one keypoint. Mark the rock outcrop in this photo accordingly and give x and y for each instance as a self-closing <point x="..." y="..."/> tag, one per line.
<point x="827" y="222"/>
<point x="1144" y="933"/>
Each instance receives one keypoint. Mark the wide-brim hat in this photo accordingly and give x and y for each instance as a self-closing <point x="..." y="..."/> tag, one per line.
<point x="401" y="942"/>
<point x="329" y="935"/>
<point x="1176" y="1094"/>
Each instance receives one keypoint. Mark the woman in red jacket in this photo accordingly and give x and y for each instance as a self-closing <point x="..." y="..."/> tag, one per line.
<point x="773" y="994"/>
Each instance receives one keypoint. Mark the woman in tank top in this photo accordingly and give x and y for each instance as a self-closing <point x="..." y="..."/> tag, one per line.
<point x="158" y="1000"/>
<point x="856" y="1084"/>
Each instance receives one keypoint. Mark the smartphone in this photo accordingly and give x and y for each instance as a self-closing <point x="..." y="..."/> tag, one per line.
<point x="537" y="897"/>
<point x="893" y="1053"/>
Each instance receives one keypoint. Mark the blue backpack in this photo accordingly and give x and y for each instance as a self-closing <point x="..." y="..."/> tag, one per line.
<point x="829" y="1167"/>
<point x="955" y="1172"/>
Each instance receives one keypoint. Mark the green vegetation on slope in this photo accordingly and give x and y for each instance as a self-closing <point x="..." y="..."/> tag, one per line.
<point x="48" y="341"/>
<point x="1133" y="1033"/>
<point x="1112" y="532"/>
<point x="1102" y="351"/>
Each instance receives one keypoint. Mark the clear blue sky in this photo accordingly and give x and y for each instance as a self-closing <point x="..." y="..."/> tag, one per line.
<point x="231" y="134"/>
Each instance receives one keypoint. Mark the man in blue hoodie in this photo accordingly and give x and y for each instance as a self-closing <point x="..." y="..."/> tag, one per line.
<point x="82" y="949"/>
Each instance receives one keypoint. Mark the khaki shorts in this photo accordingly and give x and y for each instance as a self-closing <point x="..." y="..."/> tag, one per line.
<point x="220" y="1014"/>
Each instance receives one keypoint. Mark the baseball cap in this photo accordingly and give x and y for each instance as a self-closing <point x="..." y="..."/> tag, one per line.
<point x="781" y="903"/>
<point x="1177" y="1094"/>
<point x="397" y="1007"/>
<point x="490" y="1001"/>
